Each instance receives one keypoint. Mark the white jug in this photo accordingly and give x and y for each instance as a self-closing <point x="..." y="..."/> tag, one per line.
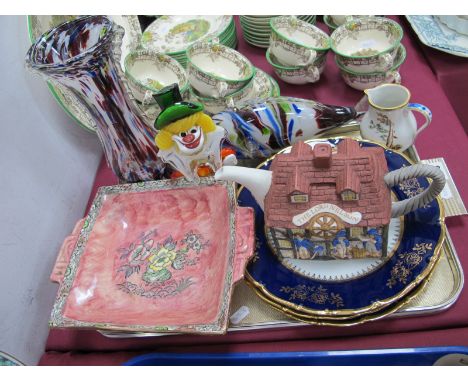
<point x="389" y="119"/>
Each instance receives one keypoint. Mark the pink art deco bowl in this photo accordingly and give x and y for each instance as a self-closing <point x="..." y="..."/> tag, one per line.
<point x="157" y="257"/>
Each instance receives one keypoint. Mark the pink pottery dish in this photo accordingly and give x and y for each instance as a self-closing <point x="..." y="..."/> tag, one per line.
<point x="157" y="256"/>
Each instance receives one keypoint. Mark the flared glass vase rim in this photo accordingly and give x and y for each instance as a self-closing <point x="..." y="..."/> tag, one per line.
<point x="109" y="37"/>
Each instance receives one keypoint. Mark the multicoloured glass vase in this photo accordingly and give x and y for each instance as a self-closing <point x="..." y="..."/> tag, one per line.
<point x="82" y="55"/>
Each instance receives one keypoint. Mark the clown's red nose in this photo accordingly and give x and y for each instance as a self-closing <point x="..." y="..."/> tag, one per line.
<point x="188" y="138"/>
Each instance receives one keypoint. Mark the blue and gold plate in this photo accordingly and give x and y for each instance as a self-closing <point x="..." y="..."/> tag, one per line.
<point x="336" y="292"/>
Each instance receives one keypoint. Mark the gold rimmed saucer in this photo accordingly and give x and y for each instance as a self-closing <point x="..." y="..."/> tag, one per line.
<point x="379" y="307"/>
<point x="352" y="319"/>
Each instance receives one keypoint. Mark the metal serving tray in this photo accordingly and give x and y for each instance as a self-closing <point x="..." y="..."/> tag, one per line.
<point x="440" y="293"/>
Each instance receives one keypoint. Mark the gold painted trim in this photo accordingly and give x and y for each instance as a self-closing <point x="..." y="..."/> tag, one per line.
<point x="311" y="318"/>
<point x="351" y="320"/>
<point x="456" y="272"/>
<point x="377" y="305"/>
<point x="389" y="108"/>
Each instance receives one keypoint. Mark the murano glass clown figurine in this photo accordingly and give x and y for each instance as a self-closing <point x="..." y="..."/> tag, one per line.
<point x="187" y="138"/>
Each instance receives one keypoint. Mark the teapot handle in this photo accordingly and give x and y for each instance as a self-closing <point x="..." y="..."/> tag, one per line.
<point x="393" y="178"/>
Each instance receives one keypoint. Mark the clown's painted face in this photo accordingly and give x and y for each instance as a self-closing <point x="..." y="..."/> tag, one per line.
<point x="190" y="142"/>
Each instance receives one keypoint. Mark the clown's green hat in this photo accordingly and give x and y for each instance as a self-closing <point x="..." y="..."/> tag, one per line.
<point x="172" y="106"/>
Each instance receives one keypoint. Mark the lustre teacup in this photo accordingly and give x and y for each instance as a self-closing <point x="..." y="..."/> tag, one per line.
<point x="295" y="42"/>
<point x="215" y="70"/>
<point x="148" y="72"/>
<point x="297" y="75"/>
<point x="367" y="45"/>
<point x="362" y="81"/>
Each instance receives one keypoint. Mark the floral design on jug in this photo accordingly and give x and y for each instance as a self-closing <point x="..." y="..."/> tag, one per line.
<point x="385" y="128"/>
<point x="155" y="268"/>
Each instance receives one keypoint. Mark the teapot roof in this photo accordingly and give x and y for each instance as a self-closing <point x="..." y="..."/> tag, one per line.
<point x="323" y="174"/>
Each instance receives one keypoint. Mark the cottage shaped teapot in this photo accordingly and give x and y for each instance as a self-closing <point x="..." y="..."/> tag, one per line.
<point x="317" y="199"/>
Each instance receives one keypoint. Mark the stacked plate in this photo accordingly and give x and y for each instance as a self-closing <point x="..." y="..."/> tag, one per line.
<point x="352" y="291"/>
<point x="172" y="35"/>
<point x="256" y="29"/>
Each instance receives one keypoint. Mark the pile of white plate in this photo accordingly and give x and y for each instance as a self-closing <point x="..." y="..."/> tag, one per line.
<point x="172" y="35"/>
<point x="256" y="29"/>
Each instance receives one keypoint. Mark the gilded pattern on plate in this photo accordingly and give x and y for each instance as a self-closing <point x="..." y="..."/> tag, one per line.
<point x="318" y="295"/>
<point x="401" y="271"/>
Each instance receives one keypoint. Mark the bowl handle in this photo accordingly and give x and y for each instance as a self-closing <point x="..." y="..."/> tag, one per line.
<point x="64" y="255"/>
<point x="393" y="77"/>
<point x="221" y="89"/>
<point x="313" y="73"/>
<point x="311" y="56"/>
<point x="393" y="178"/>
<point x="385" y="61"/>
<point x="245" y="241"/>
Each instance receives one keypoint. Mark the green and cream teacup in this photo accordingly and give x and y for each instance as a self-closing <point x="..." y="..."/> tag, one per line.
<point x="367" y="45"/>
<point x="297" y="75"/>
<point x="230" y="100"/>
<point x="295" y="42"/>
<point x="363" y="81"/>
<point x="216" y="71"/>
<point x="148" y="72"/>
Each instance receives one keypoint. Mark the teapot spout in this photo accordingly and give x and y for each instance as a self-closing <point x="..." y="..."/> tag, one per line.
<point x="256" y="181"/>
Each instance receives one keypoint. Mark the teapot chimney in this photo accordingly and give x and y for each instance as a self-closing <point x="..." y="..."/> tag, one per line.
<point x="322" y="155"/>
